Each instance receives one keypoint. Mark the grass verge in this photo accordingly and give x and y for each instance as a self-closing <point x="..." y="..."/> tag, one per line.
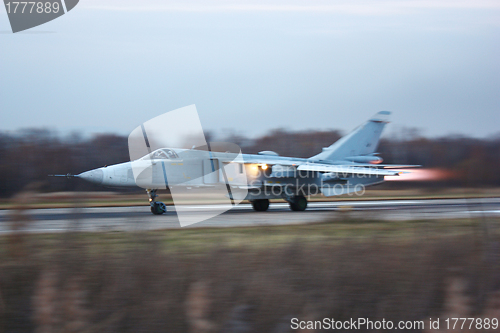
<point x="249" y="279"/>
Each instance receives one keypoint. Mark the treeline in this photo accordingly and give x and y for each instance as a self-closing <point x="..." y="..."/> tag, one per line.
<point x="28" y="156"/>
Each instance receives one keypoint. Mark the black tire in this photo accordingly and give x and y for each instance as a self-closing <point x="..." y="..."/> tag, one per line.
<point x="298" y="204"/>
<point x="158" y="208"/>
<point x="260" y="205"/>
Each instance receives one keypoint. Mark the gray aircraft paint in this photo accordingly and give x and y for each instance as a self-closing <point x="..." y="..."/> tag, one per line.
<point x="360" y="142"/>
<point x="214" y="171"/>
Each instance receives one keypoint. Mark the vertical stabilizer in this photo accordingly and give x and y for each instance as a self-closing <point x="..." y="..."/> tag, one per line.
<point x="360" y="142"/>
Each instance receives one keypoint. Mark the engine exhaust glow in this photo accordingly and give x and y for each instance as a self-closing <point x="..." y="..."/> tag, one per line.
<point x="415" y="175"/>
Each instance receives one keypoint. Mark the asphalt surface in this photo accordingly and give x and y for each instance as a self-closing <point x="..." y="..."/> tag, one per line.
<point x="140" y="217"/>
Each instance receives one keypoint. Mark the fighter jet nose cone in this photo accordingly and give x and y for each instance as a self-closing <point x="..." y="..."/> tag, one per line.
<point x="93" y="176"/>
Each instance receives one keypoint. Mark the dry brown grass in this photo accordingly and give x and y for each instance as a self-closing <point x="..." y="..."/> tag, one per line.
<point x="141" y="287"/>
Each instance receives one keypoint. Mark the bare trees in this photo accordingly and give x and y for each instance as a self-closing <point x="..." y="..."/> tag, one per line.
<point x="28" y="156"/>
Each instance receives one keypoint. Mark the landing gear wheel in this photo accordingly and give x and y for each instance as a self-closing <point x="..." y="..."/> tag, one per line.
<point x="158" y="208"/>
<point x="260" y="205"/>
<point x="298" y="204"/>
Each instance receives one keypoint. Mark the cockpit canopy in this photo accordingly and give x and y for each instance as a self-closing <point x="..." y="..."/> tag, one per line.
<point x="162" y="154"/>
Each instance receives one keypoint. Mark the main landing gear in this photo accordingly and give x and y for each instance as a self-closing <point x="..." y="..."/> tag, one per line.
<point x="260" y="205"/>
<point x="297" y="203"/>
<point x="157" y="207"/>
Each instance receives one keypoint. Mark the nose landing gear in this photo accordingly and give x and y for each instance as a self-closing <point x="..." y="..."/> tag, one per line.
<point x="157" y="207"/>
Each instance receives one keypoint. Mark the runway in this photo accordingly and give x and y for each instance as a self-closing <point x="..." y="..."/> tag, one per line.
<point x="140" y="217"/>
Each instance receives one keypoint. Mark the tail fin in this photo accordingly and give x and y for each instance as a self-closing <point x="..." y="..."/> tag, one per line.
<point x="361" y="141"/>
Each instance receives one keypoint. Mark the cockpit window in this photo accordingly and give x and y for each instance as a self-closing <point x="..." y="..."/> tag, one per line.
<point x="171" y="154"/>
<point x="162" y="154"/>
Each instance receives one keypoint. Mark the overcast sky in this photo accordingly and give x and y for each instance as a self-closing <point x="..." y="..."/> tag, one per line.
<point x="110" y="65"/>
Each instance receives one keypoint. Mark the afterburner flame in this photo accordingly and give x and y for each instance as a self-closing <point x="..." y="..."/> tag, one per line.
<point x="415" y="175"/>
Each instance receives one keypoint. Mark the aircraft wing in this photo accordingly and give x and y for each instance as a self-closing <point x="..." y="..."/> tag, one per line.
<point x="373" y="170"/>
<point x="386" y="166"/>
<point x="346" y="170"/>
<point x="274" y="161"/>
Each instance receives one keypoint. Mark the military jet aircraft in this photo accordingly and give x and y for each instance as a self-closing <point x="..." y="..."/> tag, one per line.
<point x="347" y="166"/>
